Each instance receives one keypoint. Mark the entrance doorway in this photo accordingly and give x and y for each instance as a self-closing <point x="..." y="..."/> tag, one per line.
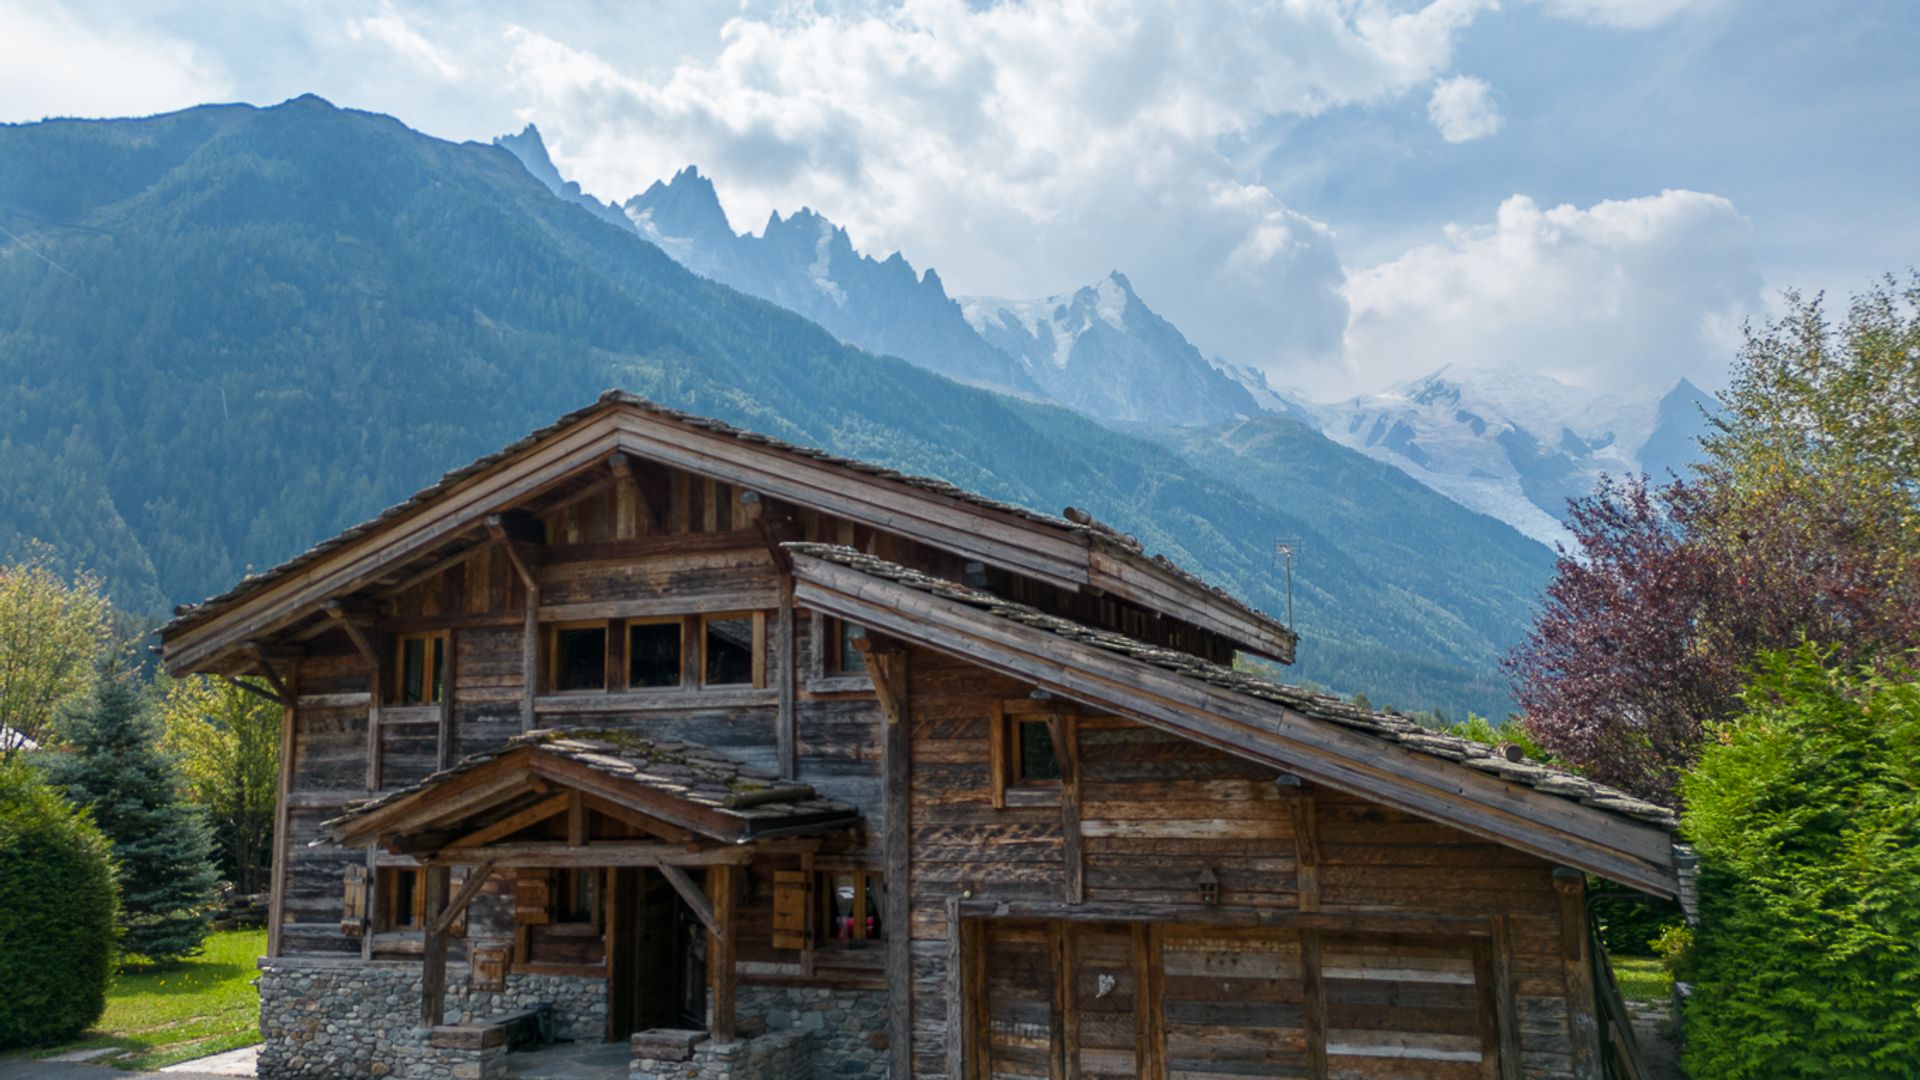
<point x="656" y="956"/>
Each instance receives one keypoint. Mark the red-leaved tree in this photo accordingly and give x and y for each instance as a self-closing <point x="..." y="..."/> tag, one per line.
<point x="1803" y="523"/>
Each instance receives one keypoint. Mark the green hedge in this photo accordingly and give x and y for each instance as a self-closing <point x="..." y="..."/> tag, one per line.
<point x="57" y="906"/>
<point x="1806" y="813"/>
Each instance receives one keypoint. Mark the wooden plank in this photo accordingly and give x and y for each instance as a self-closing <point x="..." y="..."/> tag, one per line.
<point x="1506" y="1009"/>
<point x="1066" y="1010"/>
<point x="997" y="756"/>
<point x="708" y="912"/>
<point x="477" y="876"/>
<point x="962" y="980"/>
<point x="448" y="735"/>
<point x="576" y="819"/>
<point x="1149" y="1033"/>
<point x="1577" y="960"/>
<point x="720" y="949"/>
<point x="1306" y="847"/>
<point x="557" y="856"/>
<point x="513" y="823"/>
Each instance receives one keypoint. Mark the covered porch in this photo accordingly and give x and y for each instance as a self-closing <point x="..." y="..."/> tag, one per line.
<point x="598" y="861"/>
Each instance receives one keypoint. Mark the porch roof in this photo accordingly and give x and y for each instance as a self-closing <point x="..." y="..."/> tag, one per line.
<point x="679" y="783"/>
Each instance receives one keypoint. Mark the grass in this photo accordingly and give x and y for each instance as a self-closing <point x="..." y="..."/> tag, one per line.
<point x="163" y="1016"/>
<point x="1641" y="978"/>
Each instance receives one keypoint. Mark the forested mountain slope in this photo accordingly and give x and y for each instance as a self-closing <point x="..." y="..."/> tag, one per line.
<point x="228" y="332"/>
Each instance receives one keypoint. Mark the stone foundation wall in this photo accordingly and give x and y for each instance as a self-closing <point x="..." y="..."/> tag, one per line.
<point x="777" y="1055"/>
<point x="848" y="1027"/>
<point x="331" y="1020"/>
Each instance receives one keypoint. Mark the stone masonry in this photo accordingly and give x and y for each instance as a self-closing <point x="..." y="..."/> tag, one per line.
<point x="327" y="1020"/>
<point x="778" y="1055"/>
<point x="848" y="1027"/>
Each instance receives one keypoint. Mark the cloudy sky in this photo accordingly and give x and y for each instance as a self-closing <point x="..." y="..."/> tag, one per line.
<point x="1344" y="192"/>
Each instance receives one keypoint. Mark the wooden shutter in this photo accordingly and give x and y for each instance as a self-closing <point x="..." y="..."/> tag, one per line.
<point x="488" y="969"/>
<point x="353" y="908"/>
<point x="789" y="909"/>
<point x="532" y="898"/>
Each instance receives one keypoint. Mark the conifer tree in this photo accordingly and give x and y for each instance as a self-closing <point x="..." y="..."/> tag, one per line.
<point x="115" y="768"/>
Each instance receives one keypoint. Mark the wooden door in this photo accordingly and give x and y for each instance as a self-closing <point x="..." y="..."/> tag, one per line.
<point x="644" y="972"/>
<point x="1105" y="1028"/>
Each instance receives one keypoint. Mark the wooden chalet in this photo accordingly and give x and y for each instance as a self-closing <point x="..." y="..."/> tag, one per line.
<point x="762" y="762"/>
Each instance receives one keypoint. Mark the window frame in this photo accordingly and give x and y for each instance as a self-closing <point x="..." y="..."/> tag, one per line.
<point x="821" y="679"/>
<point x="758" y="677"/>
<point x="551" y="632"/>
<point x="1008" y="786"/>
<point x="387" y="889"/>
<point x="1016" y="755"/>
<point x="865" y="897"/>
<point x="561" y="887"/>
<point x="627" y="625"/>
<point x="434" y="642"/>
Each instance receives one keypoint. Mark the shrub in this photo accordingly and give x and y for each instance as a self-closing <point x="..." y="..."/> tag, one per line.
<point x="1805" y="810"/>
<point x="57" y="911"/>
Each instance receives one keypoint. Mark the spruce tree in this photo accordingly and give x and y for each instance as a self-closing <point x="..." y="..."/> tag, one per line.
<point x="163" y="847"/>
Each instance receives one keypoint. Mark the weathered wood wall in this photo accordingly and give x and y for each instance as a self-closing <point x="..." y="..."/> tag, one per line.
<point x="1408" y="928"/>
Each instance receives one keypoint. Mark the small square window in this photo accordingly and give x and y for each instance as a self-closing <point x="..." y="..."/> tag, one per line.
<point x="653" y="654"/>
<point x="728" y="650"/>
<point x="579" y="657"/>
<point x="853" y="908"/>
<point x="422" y="664"/>
<point x="1034" y="758"/>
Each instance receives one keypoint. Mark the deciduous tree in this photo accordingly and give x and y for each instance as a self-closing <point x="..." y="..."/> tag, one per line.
<point x="52" y="633"/>
<point x="227" y="742"/>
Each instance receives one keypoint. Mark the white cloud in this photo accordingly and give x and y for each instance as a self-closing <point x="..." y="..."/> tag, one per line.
<point x="54" y="64"/>
<point x="1023" y="148"/>
<point x="1623" y="294"/>
<point x="1623" y="14"/>
<point x="390" y="28"/>
<point x="1463" y="109"/>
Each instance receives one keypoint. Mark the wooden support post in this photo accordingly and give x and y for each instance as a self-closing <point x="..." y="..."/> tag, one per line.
<point x="788" y="675"/>
<point x="576" y="819"/>
<point x="530" y="639"/>
<point x="1066" y="1010"/>
<point x="1506" y="1013"/>
<point x="1577" y="958"/>
<point x="696" y="901"/>
<point x="889" y="670"/>
<point x="257" y="691"/>
<point x="369" y="650"/>
<point x="1306" y="843"/>
<point x="282" y="842"/>
<point x="449" y="738"/>
<point x="1153" y="996"/>
<point x="1066" y="743"/>
<point x="1314" y="990"/>
<point x="433" y="971"/>
<point x="962" y="974"/>
<point x="720" y="966"/>
<point x="266" y="669"/>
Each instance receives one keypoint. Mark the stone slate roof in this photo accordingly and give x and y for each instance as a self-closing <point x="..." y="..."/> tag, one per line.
<point x="1081" y="522"/>
<point x="1387" y="726"/>
<point x="758" y="801"/>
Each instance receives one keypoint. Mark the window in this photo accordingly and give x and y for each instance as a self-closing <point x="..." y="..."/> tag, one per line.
<point x="842" y="649"/>
<point x="653" y="654"/>
<point x="577" y="657"/>
<point x="1028" y="764"/>
<point x="575" y="895"/>
<point x="852" y="905"/>
<point x="420" y="668"/>
<point x="731" y="650"/>
<point x="402" y="898"/>
<point x="1034" y="758"/>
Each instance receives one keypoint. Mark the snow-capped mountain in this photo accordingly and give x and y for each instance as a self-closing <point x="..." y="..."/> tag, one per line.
<point x="1517" y="446"/>
<point x="1102" y="351"/>
<point x="807" y="264"/>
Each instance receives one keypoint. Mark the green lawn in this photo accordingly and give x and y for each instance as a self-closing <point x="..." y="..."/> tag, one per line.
<point x="199" y="1007"/>
<point x="1641" y="978"/>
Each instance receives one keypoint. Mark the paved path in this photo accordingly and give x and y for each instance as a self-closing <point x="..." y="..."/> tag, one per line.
<point x="234" y="1063"/>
